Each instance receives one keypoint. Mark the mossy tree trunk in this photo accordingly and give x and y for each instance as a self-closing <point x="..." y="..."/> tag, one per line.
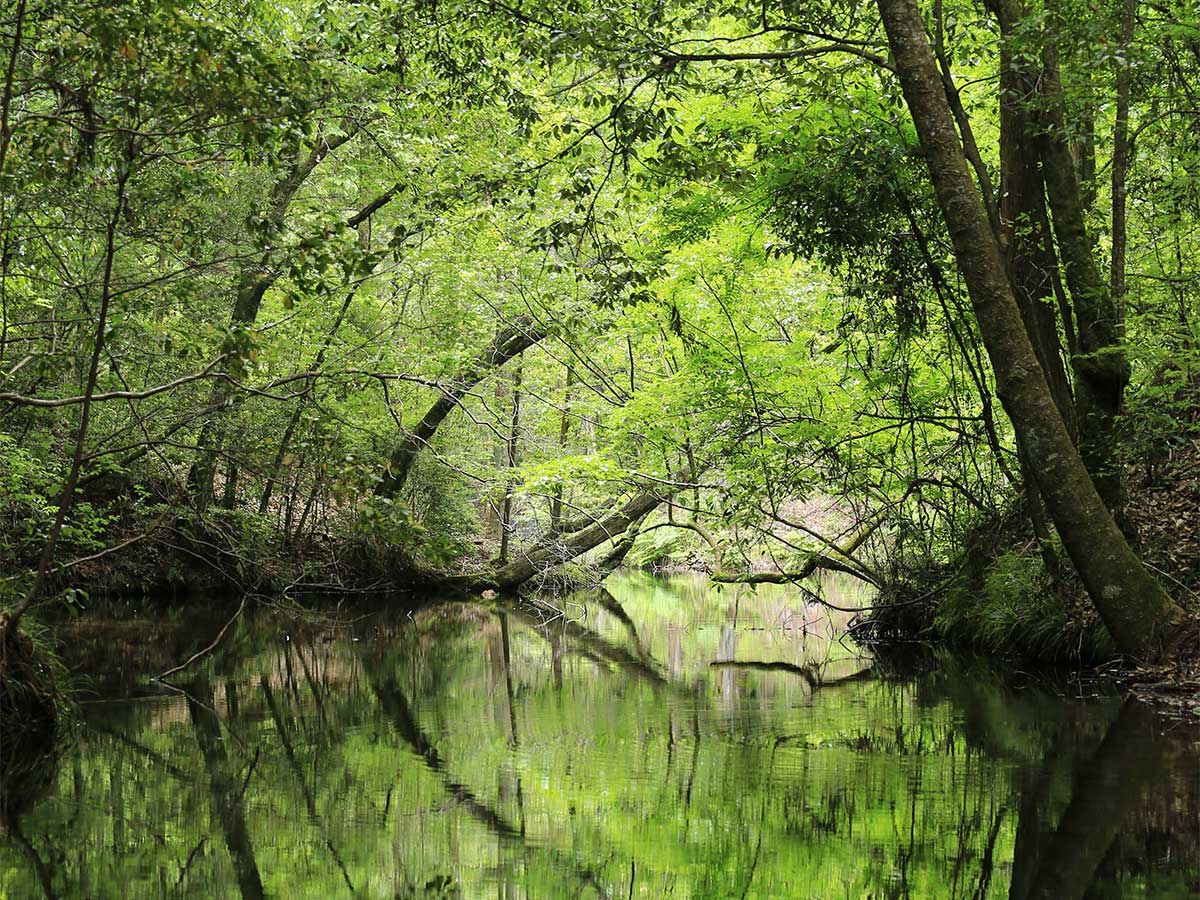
<point x="1101" y="369"/>
<point x="1121" y="154"/>
<point x="548" y="553"/>
<point x="1029" y="256"/>
<point x="1138" y="613"/>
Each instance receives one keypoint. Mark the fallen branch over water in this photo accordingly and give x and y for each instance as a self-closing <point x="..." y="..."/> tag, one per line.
<point x="815" y="562"/>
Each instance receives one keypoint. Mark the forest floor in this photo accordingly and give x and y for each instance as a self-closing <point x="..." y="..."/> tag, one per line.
<point x="1164" y="509"/>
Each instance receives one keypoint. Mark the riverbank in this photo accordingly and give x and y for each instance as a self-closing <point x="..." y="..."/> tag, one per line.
<point x="1000" y="598"/>
<point x="175" y="553"/>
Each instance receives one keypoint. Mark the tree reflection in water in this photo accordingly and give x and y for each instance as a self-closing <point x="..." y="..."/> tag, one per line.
<point x="473" y="751"/>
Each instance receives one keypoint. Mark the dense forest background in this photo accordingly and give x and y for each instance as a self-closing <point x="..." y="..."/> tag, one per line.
<point x="340" y="296"/>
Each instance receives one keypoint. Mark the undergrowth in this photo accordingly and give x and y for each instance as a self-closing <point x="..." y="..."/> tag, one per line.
<point x="1000" y="599"/>
<point x="1014" y="609"/>
<point x="33" y="711"/>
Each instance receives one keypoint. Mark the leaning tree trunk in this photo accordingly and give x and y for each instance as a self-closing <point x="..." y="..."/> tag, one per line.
<point x="1137" y="611"/>
<point x="254" y="280"/>
<point x="510" y="342"/>
<point x="546" y="554"/>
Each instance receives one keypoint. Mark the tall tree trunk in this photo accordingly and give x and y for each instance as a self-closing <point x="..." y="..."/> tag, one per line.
<point x="254" y="280"/>
<point x="1137" y="611"/>
<point x="1029" y="256"/>
<point x="1101" y="370"/>
<point x="1120" y="154"/>
<point x="229" y="500"/>
<point x="963" y="120"/>
<point x="510" y="463"/>
<point x="1028" y="251"/>
<point x="564" y="432"/>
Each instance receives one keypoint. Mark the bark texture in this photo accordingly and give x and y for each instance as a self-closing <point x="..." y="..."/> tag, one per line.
<point x="547" y="554"/>
<point x="1028" y="252"/>
<point x="1137" y="611"/>
<point x="1122" y="151"/>
<point x="1101" y="370"/>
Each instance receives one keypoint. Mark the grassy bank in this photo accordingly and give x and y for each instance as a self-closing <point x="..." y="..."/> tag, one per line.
<point x="999" y="597"/>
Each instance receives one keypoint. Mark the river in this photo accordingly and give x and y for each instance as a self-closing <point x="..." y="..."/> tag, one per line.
<point x="662" y="738"/>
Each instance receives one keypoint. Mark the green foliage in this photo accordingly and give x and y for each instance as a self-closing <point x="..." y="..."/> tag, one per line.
<point x="1163" y="416"/>
<point x="324" y="214"/>
<point x="433" y="522"/>
<point x="1016" y="612"/>
<point x="28" y="487"/>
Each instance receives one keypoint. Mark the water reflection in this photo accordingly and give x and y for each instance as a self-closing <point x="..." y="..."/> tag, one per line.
<point x="656" y="739"/>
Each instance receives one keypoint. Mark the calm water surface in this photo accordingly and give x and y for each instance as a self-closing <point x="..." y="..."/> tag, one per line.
<point x="662" y="739"/>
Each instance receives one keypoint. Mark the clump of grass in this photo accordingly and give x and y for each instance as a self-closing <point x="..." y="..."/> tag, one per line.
<point x="32" y="698"/>
<point x="1013" y="608"/>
